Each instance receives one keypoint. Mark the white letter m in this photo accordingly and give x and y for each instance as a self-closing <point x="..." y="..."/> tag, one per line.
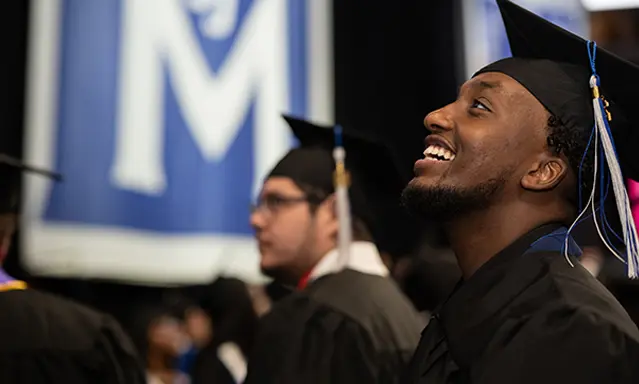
<point x="158" y="34"/>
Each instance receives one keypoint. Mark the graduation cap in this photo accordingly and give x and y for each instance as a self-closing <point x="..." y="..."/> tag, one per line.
<point x="588" y="89"/>
<point x="11" y="170"/>
<point x="376" y="179"/>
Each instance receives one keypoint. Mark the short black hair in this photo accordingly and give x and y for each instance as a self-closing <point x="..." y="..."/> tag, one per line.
<point x="315" y="196"/>
<point x="573" y="143"/>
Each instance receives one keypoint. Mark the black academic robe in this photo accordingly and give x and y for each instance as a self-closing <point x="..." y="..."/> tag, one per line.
<point x="528" y="317"/>
<point x="209" y="368"/>
<point x="47" y="339"/>
<point x="348" y="327"/>
<point x="213" y="372"/>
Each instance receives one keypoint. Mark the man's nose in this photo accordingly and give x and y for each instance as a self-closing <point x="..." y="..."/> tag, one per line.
<point x="439" y="120"/>
<point x="257" y="219"/>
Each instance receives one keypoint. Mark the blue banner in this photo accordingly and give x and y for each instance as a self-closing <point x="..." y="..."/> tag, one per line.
<point x="165" y="117"/>
<point x="485" y="38"/>
<point x="567" y="14"/>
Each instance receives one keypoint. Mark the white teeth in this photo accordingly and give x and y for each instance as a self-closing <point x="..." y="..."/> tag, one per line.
<point x="434" y="151"/>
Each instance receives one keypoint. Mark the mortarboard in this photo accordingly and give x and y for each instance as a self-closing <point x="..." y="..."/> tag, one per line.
<point x="376" y="179"/>
<point x="582" y="85"/>
<point x="11" y="170"/>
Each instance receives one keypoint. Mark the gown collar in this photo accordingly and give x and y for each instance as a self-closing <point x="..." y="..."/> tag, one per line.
<point x="364" y="257"/>
<point x="468" y="316"/>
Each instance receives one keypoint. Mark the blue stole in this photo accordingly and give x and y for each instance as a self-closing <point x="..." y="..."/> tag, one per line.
<point x="555" y="242"/>
<point x="186" y="359"/>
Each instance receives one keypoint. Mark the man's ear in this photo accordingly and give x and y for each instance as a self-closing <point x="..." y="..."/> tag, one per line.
<point x="546" y="173"/>
<point x="326" y="214"/>
<point x="327" y="207"/>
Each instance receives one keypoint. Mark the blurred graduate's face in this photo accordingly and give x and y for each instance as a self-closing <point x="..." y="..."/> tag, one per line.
<point x="167" y="336"/>
<point x="480" y="148"/>
<point x="289" y="233"/>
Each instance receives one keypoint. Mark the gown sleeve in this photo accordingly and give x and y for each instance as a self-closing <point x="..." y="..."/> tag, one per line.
<point x="560" y="348"/>
<point x="337" y="350"/>
<point x="209" y="369"/>
<point x="46" y="339"/>
<point x="121" y="362"/>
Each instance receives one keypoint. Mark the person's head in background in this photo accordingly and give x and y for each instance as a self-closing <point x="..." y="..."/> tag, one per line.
<point x="159" y="335"/>
<point x="224" y="313"/>
<point x="295" y="226"/>
<point x="295" y="218"/>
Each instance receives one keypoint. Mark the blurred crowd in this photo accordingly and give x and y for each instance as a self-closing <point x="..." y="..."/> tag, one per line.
<point x="204" y="334"/>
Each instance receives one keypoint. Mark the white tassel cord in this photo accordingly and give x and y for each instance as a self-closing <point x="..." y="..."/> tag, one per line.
<point x="602" y="133"/>
<point x="345" y="235"/>
<point x="619" y="188"/>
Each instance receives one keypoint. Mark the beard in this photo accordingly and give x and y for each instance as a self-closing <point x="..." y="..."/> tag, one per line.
<point x="443" y="203"/>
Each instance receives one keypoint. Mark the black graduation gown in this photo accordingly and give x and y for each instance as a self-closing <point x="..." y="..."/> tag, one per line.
<point x="48" y="339"/>
<point x="527" y="316"/>
<point x="209" y="369"/>
<point x="347" y="327"/>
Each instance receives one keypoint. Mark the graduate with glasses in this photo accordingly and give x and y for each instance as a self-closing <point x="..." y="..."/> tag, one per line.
<point x="347" y="321"/>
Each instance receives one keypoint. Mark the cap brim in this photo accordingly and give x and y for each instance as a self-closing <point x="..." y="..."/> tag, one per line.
<point x="16" y="163"/>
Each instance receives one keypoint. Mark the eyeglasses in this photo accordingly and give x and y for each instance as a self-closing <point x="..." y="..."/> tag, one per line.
<point x="270" y="204"/>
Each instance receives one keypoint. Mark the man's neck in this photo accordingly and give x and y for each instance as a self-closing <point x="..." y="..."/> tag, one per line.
<point x="312" y="260"/>
<point x="292" y="275"/>
<point x="477" y="237"/>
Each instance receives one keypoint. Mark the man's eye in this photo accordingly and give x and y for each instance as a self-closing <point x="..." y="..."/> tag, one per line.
<point x="273" y="201"/>
<point x="479" y="105"/>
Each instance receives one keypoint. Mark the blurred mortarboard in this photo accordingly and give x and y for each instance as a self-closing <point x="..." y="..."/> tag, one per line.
<point x="376" y="179"/>
<point x="224" y="296"/>
<point x="11" y="171"/>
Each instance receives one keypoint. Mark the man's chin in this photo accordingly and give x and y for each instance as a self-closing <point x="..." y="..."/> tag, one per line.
<point x="446" y="202"/>
<point x="420" y="200"/>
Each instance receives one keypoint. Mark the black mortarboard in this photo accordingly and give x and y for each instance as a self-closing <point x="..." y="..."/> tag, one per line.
<point x="580" y="84"/>
<point x="376" y="179"/>
<point x="11" y="170"/>
<point x="558" y="76"/>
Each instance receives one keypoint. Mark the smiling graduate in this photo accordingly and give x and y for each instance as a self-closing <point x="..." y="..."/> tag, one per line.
<point x="533" y="145"/>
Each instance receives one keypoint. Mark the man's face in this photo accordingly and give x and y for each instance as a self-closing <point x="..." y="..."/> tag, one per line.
<point x="285" y="227"/>
<point x="479" y="148"/>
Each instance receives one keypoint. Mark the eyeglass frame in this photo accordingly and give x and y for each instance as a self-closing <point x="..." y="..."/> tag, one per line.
<point x="313" y="198"/>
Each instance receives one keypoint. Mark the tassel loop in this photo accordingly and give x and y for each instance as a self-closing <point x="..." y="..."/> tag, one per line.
<point x="341" y="180"/>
